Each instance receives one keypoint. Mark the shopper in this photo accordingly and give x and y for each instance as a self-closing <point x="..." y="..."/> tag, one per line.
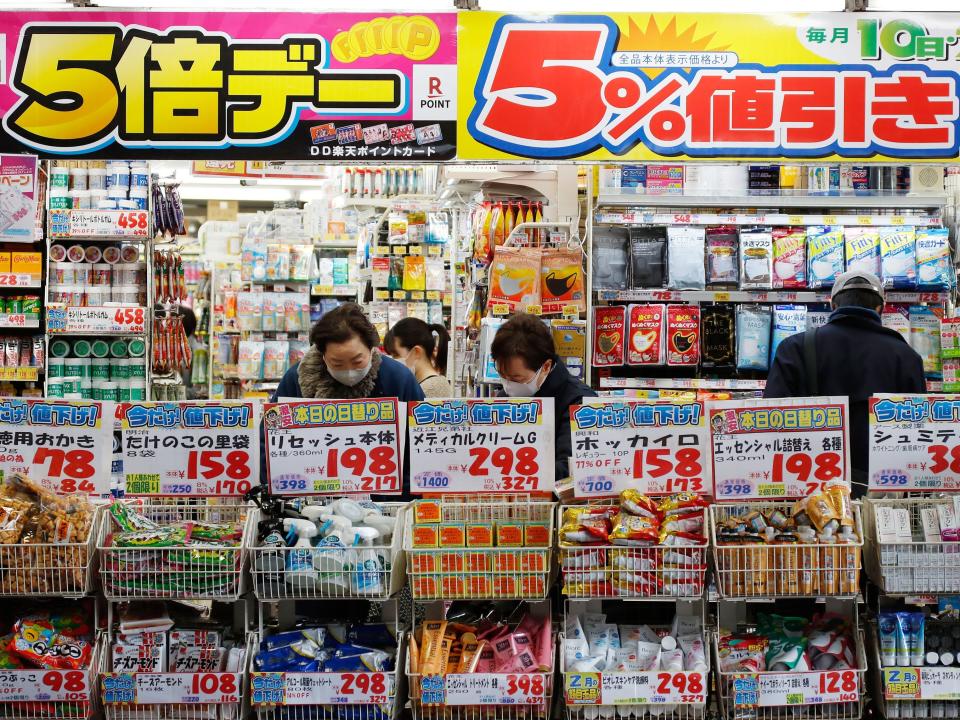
<point x="529" y="366"/>
<point x="852" y="355"/>
<point x="423" y="349"/>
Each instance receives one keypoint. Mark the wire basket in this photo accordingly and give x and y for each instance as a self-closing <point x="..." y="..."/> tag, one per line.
<point x="611" y="571"/>
<point x="914" y="567"/>
<point x="339" y="573"/>
<point x="797" y="570"/>
<point x="769" y="707"/>
<point x="636" y="712"/>
<point x="52" y="570"/>
<point x="504" y="573"/>
<point x="196" y="572"/>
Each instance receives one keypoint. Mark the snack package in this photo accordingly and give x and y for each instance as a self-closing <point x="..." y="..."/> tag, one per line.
<point x="609" y="333"/>
<point x="925" y="338"/>
<point x="753" y="337"/>
<point x="645" y="333"/>
<point x="934" y="271"/>
<point x="717" y="349"/>
<point x="685" y="262"/>
<point x="722" y="268"/>
<point x="789" y="257"/>
<point x="756" y="259"/>
<point x="562" y="283"/>
<point x="863" y="249"/>
<point x="414" y="273"/>
<point x="824" y="255"/>
<point x="648" y="247"/>
<point x="683" y="334"/>
<point x="787" y="320"/>
<point x="515" y="278"/>
<point x="898" y="258"/>
<point x="610" y="258"/>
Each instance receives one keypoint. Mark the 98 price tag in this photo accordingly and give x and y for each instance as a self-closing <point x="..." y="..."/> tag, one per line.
<point x="44" y="685"/>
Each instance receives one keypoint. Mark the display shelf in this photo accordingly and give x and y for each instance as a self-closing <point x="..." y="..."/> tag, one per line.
<point x="774" y="199"/>
<point x="19" y="320"/>
<point x="754" y="296"/>
<point x="700" y="218"/>
<point x="631" y="383"/>
<point x="403" y="295"/>
<point x="347" y="244"/>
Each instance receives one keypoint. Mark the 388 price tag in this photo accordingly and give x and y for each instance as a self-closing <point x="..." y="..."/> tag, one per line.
<point x="44" y="685"/>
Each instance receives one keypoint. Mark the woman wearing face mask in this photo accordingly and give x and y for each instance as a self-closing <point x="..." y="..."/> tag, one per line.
<point x="529" y="366"/>
<point x="423" y="349"/>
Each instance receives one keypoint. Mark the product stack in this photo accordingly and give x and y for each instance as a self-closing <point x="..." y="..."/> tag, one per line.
<point x="99" y="185"/>
<point x="97" y="369"/>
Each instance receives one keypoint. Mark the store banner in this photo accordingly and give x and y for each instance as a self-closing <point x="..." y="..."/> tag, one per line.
<point x="65" y="445"/>
<point x="649" y="86"/>
<point x="493" y="445"/>
<point x="277" y="86"/>
<point x="914" y="443"/>
<point x="335" y="447"/>
<point x="657" y="447"/>
<point x="18" y="198"/>
<point x="778" y="449"/>
<point x="204" y="448"/>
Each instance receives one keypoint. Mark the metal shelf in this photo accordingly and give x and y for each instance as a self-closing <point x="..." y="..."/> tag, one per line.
<point x="766" y="200"/>
<point x="760" y="296"/>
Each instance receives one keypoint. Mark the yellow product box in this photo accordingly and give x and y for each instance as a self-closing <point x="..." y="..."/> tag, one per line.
<point x="425" y="536"/>
<point x="479" y="535"/>
<point x="507" y="561"/>
<point x="532" y="561"/>
<point x="452" y="535"/>
<point x="28" y="263"/>
<point x="532" y="586"/>
<point x="423" y="562"/>
<point x="537" y="535"/>
<point x="480" y="586"/>
<point x="451" y="562"/>
<point x="427" y="511"/>
<point x="478" y="562"/>
<point x="425" y="585"/>
<point x="509" y="534"/>
<point x="4" y="262"/>
<point x="453" y="586"/>
<point x="504" y="586"/>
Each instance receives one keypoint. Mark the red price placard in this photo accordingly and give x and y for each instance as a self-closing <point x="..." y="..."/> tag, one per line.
<point x="135" y="221"/>
<point x="809" y="688"/>
<point x="515" y="469"/>
<point x="494" y="689"/>
<point x="130" y="318"/>
<point x="528" y="689"/>
<point x="44" y="685"/>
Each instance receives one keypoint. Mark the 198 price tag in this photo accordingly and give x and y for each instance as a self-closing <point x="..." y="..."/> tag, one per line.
<point x="44" y="685"/>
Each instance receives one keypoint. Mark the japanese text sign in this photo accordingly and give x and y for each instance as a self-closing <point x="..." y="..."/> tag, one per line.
<point x="914" y="442"/>
<point x="922" y="683"/>
<point x="495" y="688"/>
<point x="786" y="448"/>
<point x="644" y="86"/>
<point x="654" y="446"/>
<point x="44" y="686"/>
<point x="175" y="688"/>
<point x="808" y="688"/>
<point x="334" y="446"/>
<point x="635" y="688"/>
<point x="488" y="445"/>
<point x="190" y="449"/>
<point x="18" y="198"/>
<point x="329" y="688"/>
<point x="297" y="86"/>
<point x="65" y="445"/>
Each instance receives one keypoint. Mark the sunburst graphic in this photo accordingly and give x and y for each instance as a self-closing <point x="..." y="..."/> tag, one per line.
<point x="667" y="40"/>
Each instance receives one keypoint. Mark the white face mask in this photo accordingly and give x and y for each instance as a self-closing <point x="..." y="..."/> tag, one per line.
<point x="522" y="389"/>
<point x="350" y="377"/>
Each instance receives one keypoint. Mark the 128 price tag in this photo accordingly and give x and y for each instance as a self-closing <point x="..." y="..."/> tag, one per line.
<point x="812" y="688"/>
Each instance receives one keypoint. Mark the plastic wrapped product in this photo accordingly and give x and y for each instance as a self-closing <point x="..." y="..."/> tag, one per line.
<point x="722" y="268"/>
<point x="683" y="334"/>
<point x="609" y="332"/>
<point x="787" y="320"/>
<point x="610" y="258"/>
<point x="562" y="284"/>
<point x="716" y="337"/>
<point x="648" y="247"/>
<point x="756" y="259"/>
<point x="925" y="339"/>
<point x="789" y="257"/>
<point x="863" y="249"/>
<point x="645" y="333"/>
<point x="824" y="255"/>
<point x="898" y="258"/>
<point x="753" y="337"/>
<point x="933" y="259"/>
<point x="515" y="278"/>
<point x="685" y="263"/>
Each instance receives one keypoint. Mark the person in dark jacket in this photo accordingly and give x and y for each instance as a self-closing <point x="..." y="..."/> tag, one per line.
<point x="854" y="355"/>
<point x="529" y="366"/>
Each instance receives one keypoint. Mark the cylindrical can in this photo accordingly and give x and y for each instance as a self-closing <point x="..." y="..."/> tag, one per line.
<point x="118" y="348"/>
<point x="99" y="348"/>
<point x="81" y="348"/>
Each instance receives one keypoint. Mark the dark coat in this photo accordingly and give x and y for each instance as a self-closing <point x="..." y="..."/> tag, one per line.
<point x="565" y="390"/>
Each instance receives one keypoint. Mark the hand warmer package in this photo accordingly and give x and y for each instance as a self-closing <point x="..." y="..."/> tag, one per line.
<point x="756" y="259"/>
<point x="753" y="337"/>
<point x="685" y="263"/>
<point x="824" y="255"/>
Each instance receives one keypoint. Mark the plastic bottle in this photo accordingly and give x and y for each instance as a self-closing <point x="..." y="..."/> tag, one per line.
<point x="299" y="570"/>
<point x="367" y="565"/>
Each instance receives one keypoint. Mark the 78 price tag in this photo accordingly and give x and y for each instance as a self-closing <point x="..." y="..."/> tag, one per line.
<point x="67" y="471"/>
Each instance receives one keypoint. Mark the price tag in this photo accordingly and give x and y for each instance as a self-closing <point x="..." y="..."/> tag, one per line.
<point x="382" y="294"/>
<point x="829" y="219"/>
<point x="433" y="295"/>
<point x="435" y="250"/>
<point x="721" y="297"/>
<point x="795" y="220"/>
<point x="399" y="295"/>
<point x="535" y="309"/>
<point x="488" y="445"/>
<point x="381" y="250"/>
<point x="322" y="688"/>
<point x="416" y="250"/>
<point x="108" y="320"/>
<point x="29" y="374"/>
<point x="190" y="449"/>
<point x="765" y="449"/>
<point x="44" y="686"/>
<point x="864" y="220"/>
<point x="338" y="447"/>
<point x="896" y="219"/>
<point x="19" y="320"/>
<point x="746" y="689"/>
<point x="812" y="688"/>
<point x="581" y="688"/>
<point x="495" y="689"/>
<point x="644" y="688"/>
<point x="914" y="443"/>
<point x="501" y="309"/>
<point x="923" y="683"/>
<point x="65" y="445"/>
<point x="99" y="223"/>
<point x="171" y="688"/>
<point x="416" y="295"/>
<point x="19" y="280"/>
<point x="571" y="312"/>
<point x="611" y="452"/>
<point x="399" y="249"/>
<point x="321" y="290"/>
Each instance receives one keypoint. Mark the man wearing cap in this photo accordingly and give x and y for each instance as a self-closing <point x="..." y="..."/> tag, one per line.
<point x="852" y="355"/>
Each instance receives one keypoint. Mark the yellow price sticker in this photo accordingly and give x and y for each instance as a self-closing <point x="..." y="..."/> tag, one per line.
<point x="721" y="297"/>
<point x="535" y="309"/>
<point x="382" y="294"/>
<point x="416" y="250"/>
<point x="501" y="309"/>
<point x="433" y="294"/>
<point x="399" y="249"/>
<point x="864" y="220"/>
<point x="795" y="220"/>
<point x="416" y="295"/>
<point x="897" y="220"/>
<point x="399" y="295"/>
<point x="571" y="311"/>
<point x="381" y="250"/>
<point x="829" y="219"/>
<point x="435" y="250"/>
<point x="321" y="290"/>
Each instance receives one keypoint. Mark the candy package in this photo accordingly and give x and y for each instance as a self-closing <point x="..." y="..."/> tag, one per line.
<point x="515" y="278"/>
<point x="756" y="259"/>
<point x="925" y="338"/>
<point x="824" y="255"/>
<point x="863" y="249"/>
<point x="717" y="349"/>
<point x="685" y="262"/>
<point x="609" y="332"/>
<point x="645" y="332"/>
<point x="683" y="334"/>
<point x="610" y="258"/>
<point x="934" y="271"/>
<point x="787" y="320"/>
<point x="562" y="283"/>
<point x="789" y="257"/>
<point x="648" y="246"/>
<point x="898" y="258"/>
<point x="722" y="268"/>
<point x="753" y="337"/>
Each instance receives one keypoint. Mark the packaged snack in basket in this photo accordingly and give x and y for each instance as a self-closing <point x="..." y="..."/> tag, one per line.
<point x="898" y="258"/>
<point x="863" y="249"/>
<point x="824" y="255"/>
<point x="586" y="525"/>
<point x="633" y="530"/>
<point x="756" y="259"/>
<point x="635" y="503"/>
<point x="722" y="268"/>
<point x="789" y="257"/>
<point x="609" y="331"/>
<point x="562" y="283"/>
<point x="685" y="261"/>
<point x="933" y="259"/>
<point x="683" y="335"/>
<point x="645" y="333"/>
<point x="36" y="641"/>
<point x="127" y="519"/>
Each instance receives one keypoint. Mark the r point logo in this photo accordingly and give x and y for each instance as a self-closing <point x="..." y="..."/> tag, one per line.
<point x="436" y="97"/>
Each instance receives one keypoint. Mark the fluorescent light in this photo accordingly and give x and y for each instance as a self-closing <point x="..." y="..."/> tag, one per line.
<point x="235" y="192"/>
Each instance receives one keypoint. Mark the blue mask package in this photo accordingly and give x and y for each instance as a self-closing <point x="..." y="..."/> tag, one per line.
<point x="787" y="320"/>
<point x="898" y="258"/>
<point x="933" y="259"/>
<point x="753" y="337"/>
<point x="863" y="249"/>
<point x="824" y="255"/>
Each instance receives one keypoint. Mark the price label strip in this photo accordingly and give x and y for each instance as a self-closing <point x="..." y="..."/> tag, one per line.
<point x="322" y="688"/>
<point x="777" y="449"/>
<point x="923" y="683"/>
<point x="656" y="446"/>
<point x="44" y="686"/>
<point x="190" y="449"/>
<point x="334" y="446"/>
<point x="636" y="688"/>
<point x="495" y="689"/>
<point x="489" y="445"/>
<point x="65" y="445"/>
<point x="99" y="223"/>
<point x="814" y="688"/>
<point x="171" y="688"/>
<point x="914" y="443"/>
<point x="108" y="320"/>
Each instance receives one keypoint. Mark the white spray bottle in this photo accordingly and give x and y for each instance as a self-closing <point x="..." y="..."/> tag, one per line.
<point x="367" y="564"/>
<point x="299" y="571"/>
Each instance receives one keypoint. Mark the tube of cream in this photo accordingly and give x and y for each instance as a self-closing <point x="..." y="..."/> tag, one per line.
<point x="545" y="645"/>
<point x="887" y="628"/>
<point x="648" y="655"/>
<point x="694" y="653"/>
<point x="487" y="661"/>
<point x="430" y="652"/>
<point x="574" y="651"/>
<point x="414" y="654"/>
<point x="671" y="660"/>
<point x="903" y="639"/>
<point x="917" y="623"/>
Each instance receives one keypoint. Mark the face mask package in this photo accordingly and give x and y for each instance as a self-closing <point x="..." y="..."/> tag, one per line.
<point x="488" y="329"/>
<point x="435" y="313"/>
<point x="610" y="258"/>
<point x="933" y="259"/>
<point x="716" y="337"/>
<point x="898" y="258"/>
<point x="685" y="248"/>
<point x="753" y="337"/>
<point x="647" y="254"/>
<point x="925" y="339"/>
<point x="787" y="320"/>
<point x="515" y="278"/>
<point x="683" y="335"/>
<point x="756" y="259"/>
<point x="789" y="257"/>
<point x="824" y="255"/>
<point x="863" y="249"/>
<point x="722" y="266"/>
<point x="609" y="330"/>
<point x="645" y="333"/>
<point x="896" y="318"/>
<point x="561" y="283"/>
